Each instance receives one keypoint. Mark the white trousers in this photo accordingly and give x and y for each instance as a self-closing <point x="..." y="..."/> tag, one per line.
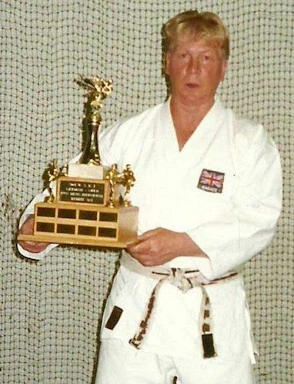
<point x="124" y="364"/>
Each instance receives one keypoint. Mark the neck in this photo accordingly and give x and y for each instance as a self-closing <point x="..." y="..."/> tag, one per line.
<point x="186" y="118"/>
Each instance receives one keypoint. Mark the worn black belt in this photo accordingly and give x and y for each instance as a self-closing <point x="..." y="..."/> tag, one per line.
<point x="184" y="279"/>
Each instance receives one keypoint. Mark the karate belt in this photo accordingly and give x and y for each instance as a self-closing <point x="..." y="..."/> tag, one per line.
<point x="183" y="279"/>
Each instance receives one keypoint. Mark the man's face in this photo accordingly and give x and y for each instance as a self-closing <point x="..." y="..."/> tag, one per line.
<point x="195" y="69"/>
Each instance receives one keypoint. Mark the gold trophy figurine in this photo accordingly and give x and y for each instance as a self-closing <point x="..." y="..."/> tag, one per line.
<point x="87" y="208"/>
<point x="97" y="90"/>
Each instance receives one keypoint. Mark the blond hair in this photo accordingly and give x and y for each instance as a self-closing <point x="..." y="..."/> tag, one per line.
<point x="204" y="25"/>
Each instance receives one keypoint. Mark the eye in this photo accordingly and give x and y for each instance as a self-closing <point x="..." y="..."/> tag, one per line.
<point x="183" y="55"/>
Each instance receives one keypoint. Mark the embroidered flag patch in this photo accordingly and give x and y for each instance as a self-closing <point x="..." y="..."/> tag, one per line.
<point x="211" y="181"/>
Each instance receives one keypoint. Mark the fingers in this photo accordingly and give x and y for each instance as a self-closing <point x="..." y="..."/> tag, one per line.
<point x="149" y="234"/>
<point x="28" y="226"/>
<point x="141" y="251"/>
<point x="33" y="247"/>
<point x="149" y="249"/>
<point x="28" y="229"/>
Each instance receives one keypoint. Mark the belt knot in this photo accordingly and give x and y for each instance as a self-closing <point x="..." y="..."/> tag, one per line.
<point x="180" y="278"/>
<point x="184" y="280"/>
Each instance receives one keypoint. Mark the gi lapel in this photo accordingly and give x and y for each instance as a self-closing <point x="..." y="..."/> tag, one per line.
<point x="200" y="141"/>
<point x="196" y="147"/>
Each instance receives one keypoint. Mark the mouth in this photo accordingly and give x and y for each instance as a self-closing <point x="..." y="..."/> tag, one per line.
<point x="192" y="85"/>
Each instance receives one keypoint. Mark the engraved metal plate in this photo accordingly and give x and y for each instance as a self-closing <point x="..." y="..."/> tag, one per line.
<point x="81" y="191"/>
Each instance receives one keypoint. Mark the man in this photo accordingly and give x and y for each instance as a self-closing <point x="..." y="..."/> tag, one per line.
<point x="208" y="186"/>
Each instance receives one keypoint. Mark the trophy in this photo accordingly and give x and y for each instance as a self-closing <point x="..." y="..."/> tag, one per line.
<point x="91" y="204"/>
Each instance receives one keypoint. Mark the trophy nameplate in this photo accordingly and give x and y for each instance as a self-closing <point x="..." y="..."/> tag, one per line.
<point x="88" y="207"/>
<point x="80" y="190"/>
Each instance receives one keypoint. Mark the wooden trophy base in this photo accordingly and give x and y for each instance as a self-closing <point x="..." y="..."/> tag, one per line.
<point x="84" y="224"/>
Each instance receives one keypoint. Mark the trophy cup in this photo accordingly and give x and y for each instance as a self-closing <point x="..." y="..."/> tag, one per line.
<point x="88" y="207"/>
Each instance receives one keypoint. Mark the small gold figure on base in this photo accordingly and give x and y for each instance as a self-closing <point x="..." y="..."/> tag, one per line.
<point x="128" y="181"/>
<point x="52" y="172"/>
<point x="126" y="178"/>
<point x="113" y="177"/>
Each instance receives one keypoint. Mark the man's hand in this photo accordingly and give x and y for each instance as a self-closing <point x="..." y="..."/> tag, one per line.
<point x="160" y="245"/>
<point x="28" y="229"/>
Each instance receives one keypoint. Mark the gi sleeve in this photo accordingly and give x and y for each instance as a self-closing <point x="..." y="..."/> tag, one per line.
<point x="40" y="197"/>
<point x="249" y="224"/>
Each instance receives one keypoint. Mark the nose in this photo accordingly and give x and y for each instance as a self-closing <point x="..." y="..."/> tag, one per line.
<point x="194" y="64"/>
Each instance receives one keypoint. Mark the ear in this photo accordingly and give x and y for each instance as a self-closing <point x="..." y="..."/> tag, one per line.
<point x="224" y="69"/>
<point x="166" y="61"/>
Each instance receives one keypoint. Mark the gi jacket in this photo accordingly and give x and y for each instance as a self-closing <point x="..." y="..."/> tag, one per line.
<point x="223" y="188"/>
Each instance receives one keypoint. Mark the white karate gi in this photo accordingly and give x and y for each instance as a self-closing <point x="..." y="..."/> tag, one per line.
<point x="231" y="225"/>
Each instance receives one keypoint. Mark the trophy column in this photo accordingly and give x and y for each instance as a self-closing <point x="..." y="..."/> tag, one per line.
<point x="88" y="208"/>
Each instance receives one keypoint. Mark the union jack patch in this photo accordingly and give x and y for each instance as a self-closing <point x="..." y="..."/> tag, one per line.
<point x="211" y="181"/>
